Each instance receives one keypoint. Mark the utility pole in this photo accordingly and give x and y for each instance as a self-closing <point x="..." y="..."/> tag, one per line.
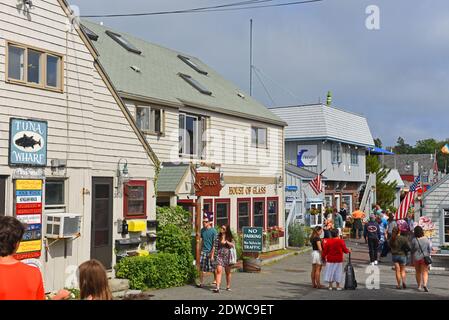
<point x="251" y="57"/>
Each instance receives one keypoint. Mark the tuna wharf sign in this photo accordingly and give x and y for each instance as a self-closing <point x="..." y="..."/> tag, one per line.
<point x="27" y="142"/>
<point x="252" y="239"/>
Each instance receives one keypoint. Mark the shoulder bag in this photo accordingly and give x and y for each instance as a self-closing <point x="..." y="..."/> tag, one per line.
<point x="427" y="259"/>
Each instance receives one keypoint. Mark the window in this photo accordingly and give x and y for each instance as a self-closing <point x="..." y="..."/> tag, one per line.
<point x="222" y="207"/>
<point x="446" y="225"/>
<point x="191" y="131"/>
<point x="259" y="213"/>
<point x="149" y="119"/>
<point x="34" y="67"/>
<point x="259" y="137"/>
<point x="55" y="195"/>
<point x="193" y="65"/>
<point x="207" y="206"/>
<point x="243" y="213"/>
<point x="273" y="212"/>
<point x="198" y="86"/>
<point x="135" y="202"/>
<point x="90" y="34"/>
<point x="336" y="153"/>
<point x="123" y="42"/>
<point x="354" y="157"/>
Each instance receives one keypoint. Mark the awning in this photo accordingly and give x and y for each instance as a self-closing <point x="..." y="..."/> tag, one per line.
<point x="170" y="177"/>
<point x="377" y="150"/>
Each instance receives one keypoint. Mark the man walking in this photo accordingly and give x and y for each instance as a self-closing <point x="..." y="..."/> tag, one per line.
<point x="372" y="235"/>
<point x="344" y="213"/>
<point x="208" y="236"/>
<point x="338" y="222"/>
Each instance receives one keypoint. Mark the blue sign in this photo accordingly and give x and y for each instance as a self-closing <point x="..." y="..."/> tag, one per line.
<point x="291" y="188"/>
<point x="28" y="142"/>
<point x="30" y="193"/>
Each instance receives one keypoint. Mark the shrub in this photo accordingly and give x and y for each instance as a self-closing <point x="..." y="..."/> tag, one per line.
<point x="160" y="270"/>
<point x="296" y="235"/>
<point x="172" y="239"/>
<point x="174" y="215"/>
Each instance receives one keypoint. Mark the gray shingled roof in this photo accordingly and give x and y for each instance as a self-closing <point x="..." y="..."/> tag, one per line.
<point x="321" y="122"/>
<point x="404" y="162"/>
<point x="444" y="179"/>
<point x="303" y="173"/>
<point x="159" y="78"/>
<point x="170" y="177"/>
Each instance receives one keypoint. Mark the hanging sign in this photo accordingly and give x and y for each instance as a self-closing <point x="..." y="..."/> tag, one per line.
<point x="28" y="209"/>
<point x="207" y="184"/>
<point x="27" y="142"/>
<point x="307" y="156"/>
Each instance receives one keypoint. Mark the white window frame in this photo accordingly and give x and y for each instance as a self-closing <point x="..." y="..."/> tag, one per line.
<point x="56" y="208"/>
<point x="198" y="144"/>
<point x="257" y="144"/>
<point x="336" y="153"/>
<point x="151" y="120"/>
<point x="354" y="155"/>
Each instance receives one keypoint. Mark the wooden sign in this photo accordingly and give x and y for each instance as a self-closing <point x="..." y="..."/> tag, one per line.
<point x="207" y="184"/>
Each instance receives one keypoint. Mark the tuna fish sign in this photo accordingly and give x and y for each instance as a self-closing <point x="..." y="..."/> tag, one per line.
<point x="27" y="142"/>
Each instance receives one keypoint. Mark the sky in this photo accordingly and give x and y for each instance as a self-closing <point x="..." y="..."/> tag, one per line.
<point x="397" y="76"/>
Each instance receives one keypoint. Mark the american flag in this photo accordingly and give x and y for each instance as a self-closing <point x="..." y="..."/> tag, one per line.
<point x="402" y="211"/>
<point x="316" y="184"/>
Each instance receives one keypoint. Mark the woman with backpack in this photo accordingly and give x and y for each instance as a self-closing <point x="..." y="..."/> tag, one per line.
<point x="399" y="246"/>
<point x="223" y="245"/>
<point x="421" y="249"/>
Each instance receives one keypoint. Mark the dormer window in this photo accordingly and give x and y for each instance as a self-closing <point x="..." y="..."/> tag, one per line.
<point x="191" y="64"/>
<point x="123" y="42"/>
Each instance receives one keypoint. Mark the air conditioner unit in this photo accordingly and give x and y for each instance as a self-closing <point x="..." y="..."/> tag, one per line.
<point x="62" y="225"/>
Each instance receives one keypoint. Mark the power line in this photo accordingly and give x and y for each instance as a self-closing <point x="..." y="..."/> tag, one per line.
<point x="265" y="88"/>
<point x="277" y="84"/>
<point x="220" y="8"/>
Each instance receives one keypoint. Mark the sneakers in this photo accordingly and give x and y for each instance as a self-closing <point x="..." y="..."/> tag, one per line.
<point x="216" y="290"/>
<point x="330" y="289"/>
<point x="425" y="289"/>
<point x="376" y="262"/>
<point x="339" y="289"/>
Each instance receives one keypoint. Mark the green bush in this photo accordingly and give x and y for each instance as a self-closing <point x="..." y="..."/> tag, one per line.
<point x="172" y="239"/>
<point x="174" y="215"/>
<point x="296" y="235"/>
<point x="160" y="270"/>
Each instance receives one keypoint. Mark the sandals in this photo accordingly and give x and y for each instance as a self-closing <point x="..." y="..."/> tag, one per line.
<point x="216" y="290"/>
<point x="199" y="285"/>
<point x="228" y="289"/>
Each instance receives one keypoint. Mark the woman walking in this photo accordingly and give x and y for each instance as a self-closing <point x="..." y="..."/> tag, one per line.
<point x="223" y="245"/>
<point x="421" y="248"/>
<point x="333" y="254"/>
<point x="94" y="281"/>
<point x="399" y="246"/>
<point x="317" y="262"/>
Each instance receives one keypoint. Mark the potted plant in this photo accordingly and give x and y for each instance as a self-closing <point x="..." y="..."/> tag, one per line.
<point x="251" y="262"/>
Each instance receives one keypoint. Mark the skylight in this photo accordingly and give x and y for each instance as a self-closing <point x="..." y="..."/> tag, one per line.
<point x="89" y="33"/>
<point x="198" y="86"/>
<point x="123" y="42"/>
<point x="192" y="64"/>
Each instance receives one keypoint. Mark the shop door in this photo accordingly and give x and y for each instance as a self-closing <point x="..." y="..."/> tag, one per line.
<point x="337" y="202"/>
<point x="101" y="235"/>
<point x="2" y="195"/>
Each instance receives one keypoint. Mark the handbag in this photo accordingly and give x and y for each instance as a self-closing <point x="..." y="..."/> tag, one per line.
<point x="233" y="256"/>
<point x="427" y="259"/>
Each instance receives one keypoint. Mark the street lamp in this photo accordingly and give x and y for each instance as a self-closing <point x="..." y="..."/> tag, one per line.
<point x="122" y="176"/>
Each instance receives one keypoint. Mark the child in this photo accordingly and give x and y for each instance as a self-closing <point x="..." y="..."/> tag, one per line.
<point x="93" y="281"/>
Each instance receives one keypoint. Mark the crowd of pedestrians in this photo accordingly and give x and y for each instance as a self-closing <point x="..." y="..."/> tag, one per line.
<point x="384" y="235"/>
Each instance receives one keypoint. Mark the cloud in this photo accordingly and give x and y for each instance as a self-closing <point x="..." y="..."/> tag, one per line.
<point x="396" y="76"/>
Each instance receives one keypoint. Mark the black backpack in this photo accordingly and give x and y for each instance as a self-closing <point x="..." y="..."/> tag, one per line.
<point x="350" y="281"/>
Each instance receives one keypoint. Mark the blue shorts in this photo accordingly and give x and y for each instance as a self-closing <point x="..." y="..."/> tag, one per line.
<point x="402" y="260"/>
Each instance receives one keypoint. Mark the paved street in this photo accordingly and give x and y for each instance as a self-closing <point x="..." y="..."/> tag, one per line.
<point x="290" y="279"/>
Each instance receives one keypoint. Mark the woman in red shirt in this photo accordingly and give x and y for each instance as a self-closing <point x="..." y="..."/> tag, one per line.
<point x="333" y="254"/>
<point x="18" y="281"/>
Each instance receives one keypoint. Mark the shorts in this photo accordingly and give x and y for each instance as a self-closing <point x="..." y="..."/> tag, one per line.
<point x="402" y="260"/>
<point x="205" y="264"/>
<point x="316" y="257"/>
<point x="420" y="262"/>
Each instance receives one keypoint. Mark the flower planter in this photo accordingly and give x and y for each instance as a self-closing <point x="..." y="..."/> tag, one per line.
<point x="252" y="265"/>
